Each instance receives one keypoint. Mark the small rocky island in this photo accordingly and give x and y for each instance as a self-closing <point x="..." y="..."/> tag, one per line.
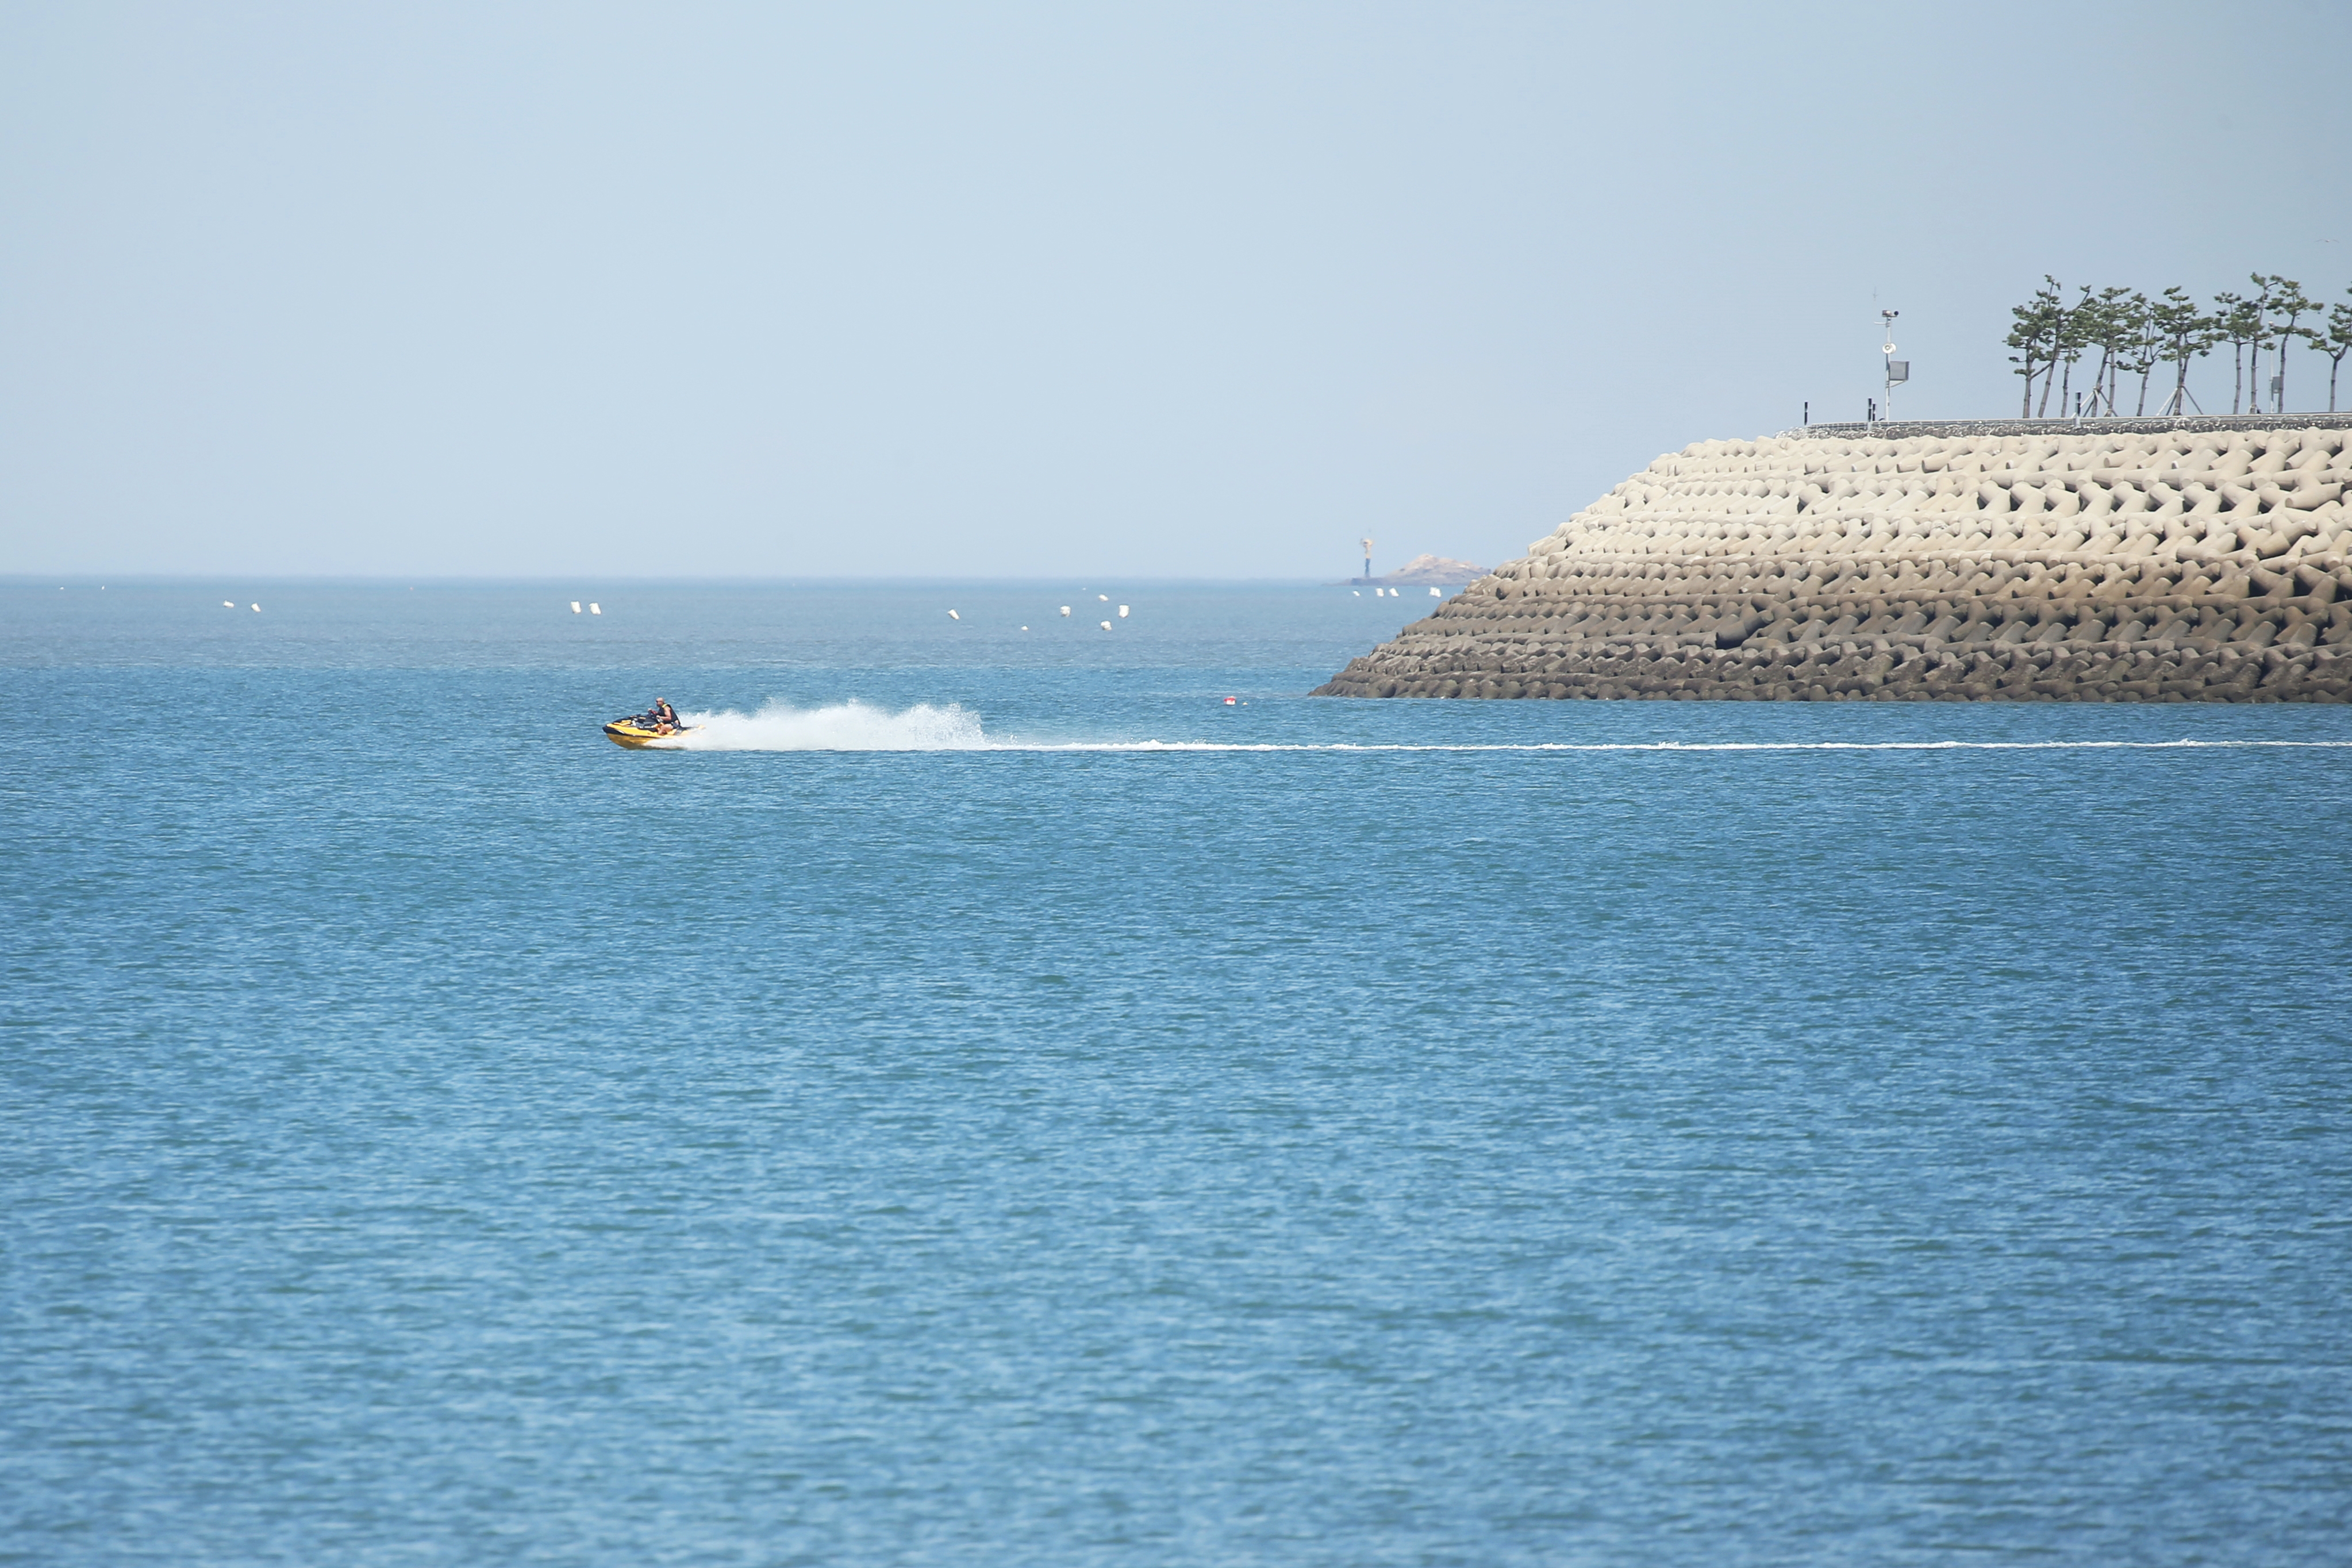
<point x="2175" y="560"/>
<point x="1430" y="571"/>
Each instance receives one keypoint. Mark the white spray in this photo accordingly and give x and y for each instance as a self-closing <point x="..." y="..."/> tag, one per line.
<point x="855" y="726"/>
<point x="851" y="726"/>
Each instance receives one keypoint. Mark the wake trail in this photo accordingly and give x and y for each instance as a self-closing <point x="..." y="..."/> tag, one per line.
<point x="855" y="726"/>
<point x="1683" y="746"/>
<point x="851" y="726"/>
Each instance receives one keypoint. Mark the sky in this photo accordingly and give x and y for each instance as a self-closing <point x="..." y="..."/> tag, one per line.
<point x="1136" y="290"/>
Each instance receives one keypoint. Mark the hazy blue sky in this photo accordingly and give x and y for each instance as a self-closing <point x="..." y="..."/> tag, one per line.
<point x="1126" y="288"/>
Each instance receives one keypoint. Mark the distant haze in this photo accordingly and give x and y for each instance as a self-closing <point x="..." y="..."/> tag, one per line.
<point x="1141" y="290"/>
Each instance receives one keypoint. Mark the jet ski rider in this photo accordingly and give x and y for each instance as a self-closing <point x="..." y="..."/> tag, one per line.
<point x="664" y="716"/>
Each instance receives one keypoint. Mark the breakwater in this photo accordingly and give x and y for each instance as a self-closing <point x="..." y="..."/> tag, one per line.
<point x="2123" y="560"/>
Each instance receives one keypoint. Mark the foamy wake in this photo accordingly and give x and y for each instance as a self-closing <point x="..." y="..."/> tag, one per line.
<point x="1699" y="746"/>
<point x="855" y="726"/>
<point x="851" y="726"/>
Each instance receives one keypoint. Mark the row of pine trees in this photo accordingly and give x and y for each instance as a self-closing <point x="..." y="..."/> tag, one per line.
<point x="2134" y="336"/>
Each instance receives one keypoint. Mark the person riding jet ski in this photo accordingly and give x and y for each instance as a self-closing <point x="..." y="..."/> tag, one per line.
<point x="658" y="722"/>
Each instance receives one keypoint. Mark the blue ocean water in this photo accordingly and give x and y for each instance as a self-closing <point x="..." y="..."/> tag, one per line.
<point x="1070" y="1119"/>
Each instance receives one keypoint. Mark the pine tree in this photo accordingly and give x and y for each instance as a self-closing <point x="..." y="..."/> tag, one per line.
<point x="2238" y="322"/>
<point x="2287" y="306"/>
<point x="2134" y="335"/>
<point x="2106" y="326"/>
<point x="2185" y="334"/>
<point x="2143" y="345"/>
<point x="2065" y="346"/>
<point x="2035" y="330"/>
<point x="2336" y="342"/>
<point x="2260" y="338"/>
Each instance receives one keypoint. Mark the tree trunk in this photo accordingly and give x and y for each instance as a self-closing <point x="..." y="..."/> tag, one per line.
<point x="2147" y="370"/>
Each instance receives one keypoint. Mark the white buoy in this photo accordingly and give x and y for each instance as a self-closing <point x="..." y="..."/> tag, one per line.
<point x="1106" y="625"/>
<point x="575" y="606"/>
<point x="1024" y="628"/>
<point x="1122" y="612"/>
<point x="953" y="617"/>
<point x="1358" y="592"/>
<point x="594" y="608"/>
<point x="256" y="609"/>
<point x="1435" y="595"/>
<point x="1065" y="612"/>
<point x="1104" y="597"/>
<point x="228" y="603"/>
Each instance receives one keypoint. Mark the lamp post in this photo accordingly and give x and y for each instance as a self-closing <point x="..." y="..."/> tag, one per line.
<point x="1368" y="559"/>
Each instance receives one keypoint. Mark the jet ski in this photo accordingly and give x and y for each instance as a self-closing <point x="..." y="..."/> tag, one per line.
<point x="641" y="729"/>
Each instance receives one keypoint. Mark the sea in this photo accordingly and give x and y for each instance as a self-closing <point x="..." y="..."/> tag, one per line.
<point x="1027" y="1084"/>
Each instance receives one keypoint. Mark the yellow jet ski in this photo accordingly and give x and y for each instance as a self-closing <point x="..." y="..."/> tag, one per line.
<point x="641" y="729"/>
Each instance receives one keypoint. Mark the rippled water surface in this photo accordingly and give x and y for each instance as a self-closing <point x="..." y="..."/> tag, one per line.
<point x="1064" y="1118"/>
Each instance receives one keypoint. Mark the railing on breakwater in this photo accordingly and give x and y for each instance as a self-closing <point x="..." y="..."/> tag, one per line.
<point x="2189" y="424"/>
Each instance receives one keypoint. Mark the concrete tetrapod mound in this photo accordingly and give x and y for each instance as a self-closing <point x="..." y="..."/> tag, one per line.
<point x="2138" y="563"/>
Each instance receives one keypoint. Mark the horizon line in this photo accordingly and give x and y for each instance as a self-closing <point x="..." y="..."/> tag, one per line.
<point x="378" y="579"/>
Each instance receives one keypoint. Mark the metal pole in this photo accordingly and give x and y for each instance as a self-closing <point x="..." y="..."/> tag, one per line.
<point x="1886" y="348"/>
